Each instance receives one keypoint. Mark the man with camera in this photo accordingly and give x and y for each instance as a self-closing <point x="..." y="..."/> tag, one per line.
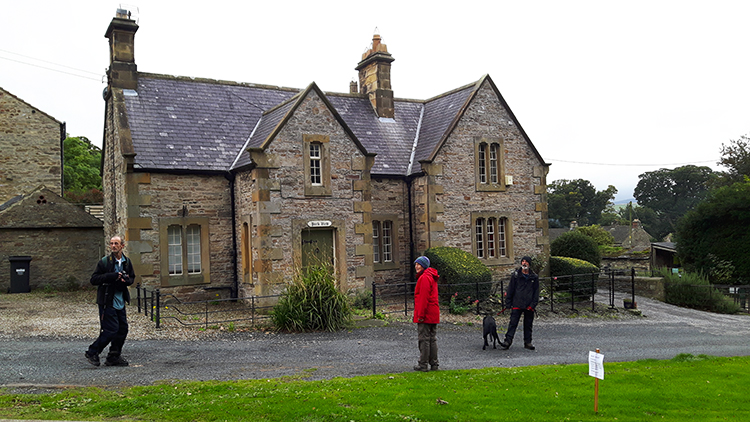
<point x="113" y="274"/>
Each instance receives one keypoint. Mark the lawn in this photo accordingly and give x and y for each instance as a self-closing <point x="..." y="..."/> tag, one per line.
<point x="685" y="388"/>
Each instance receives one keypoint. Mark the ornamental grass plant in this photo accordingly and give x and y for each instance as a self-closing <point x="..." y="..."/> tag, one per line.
<point x="312" y="303"/>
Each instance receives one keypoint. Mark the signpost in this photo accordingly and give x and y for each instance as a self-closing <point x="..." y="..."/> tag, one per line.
<point x="596" y="370"/>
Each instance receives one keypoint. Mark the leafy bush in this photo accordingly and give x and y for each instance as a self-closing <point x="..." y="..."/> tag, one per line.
<point x="460" y="306"/>
<point x="362" y="299"/>
<point x="460" y="272"/>
<point x="312" y="303"/>
<point x="598" y="234"/>
<point x="692" y="290"/>
<point x="582" y="275"/>
<point x="575" y="244"/>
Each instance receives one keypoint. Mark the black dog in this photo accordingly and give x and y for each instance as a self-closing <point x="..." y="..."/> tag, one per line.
<point x="490" y="329"/>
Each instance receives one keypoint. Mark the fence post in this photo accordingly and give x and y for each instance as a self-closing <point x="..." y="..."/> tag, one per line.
<point x="572" y="293"/>
<point x="158" y="307"/>
<point x="551" y="294"/>
<point x="252" y="310"/>
<point x="593" y="291"/>
<point x="406" y="306"/>
<point x="477" y="296"/>
<point x="611" y="288"/>
<point x="632" y="284"/>
<point x="152" y="305"/>
<point x="374" y="311"/>
<point x="138" y="295"/>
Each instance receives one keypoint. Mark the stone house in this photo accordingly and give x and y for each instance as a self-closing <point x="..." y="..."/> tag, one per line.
<point x="235" y="186"/>
<point x="62" y="240"/>
<point x="31" y="143"/>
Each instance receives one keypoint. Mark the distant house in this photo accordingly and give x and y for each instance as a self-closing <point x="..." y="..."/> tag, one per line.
<point x="235" y="186"/>
<point x="633" y="237"/>
<point x="664" y="255"/>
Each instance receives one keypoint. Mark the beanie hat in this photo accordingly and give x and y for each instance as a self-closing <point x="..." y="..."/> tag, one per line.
<point x="527" y="259"/>
<point x="423" y="261"/>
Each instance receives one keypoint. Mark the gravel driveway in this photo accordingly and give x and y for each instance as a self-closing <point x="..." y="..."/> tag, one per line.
<point x="51" y="356"/>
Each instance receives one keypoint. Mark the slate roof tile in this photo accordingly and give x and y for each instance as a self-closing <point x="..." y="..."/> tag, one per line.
<point x="187" y="124"/>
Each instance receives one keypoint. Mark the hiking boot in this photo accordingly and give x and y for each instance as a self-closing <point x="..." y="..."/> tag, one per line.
<point x="529" y="346"/>
<point x="504" y="345"/>
<point x="421" y="368"/>
<point x="92" y="358"/>
<point x="435" y="368"/>
<point x="116" y="361"/>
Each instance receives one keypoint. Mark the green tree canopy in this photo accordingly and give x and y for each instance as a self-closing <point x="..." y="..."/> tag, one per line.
<point x="672" y="193"/>
<point x="736" y="158"/>
<point x="717" y="232"/>
<point x="577" y="200"/>
<point x="82" y="161"/>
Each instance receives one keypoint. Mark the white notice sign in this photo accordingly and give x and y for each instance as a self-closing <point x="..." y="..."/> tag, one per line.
<point x="596" y="365"/>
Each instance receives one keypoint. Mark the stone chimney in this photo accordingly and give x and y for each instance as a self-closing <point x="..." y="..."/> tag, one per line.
<point x="353" y="89"/>
<point x="122" y="72"/>
<point x="636" y="223"/>
<point x="375" y="77"/>
<point x="573" y="225"/>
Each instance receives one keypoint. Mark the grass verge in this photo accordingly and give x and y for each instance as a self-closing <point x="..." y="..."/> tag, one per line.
<point x="681" y="389"/>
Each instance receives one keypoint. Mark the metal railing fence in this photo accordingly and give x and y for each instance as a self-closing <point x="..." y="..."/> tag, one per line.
<point x="160" y="306"/>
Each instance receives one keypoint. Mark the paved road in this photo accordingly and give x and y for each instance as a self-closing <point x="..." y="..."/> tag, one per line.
<point x="665" y="332"/>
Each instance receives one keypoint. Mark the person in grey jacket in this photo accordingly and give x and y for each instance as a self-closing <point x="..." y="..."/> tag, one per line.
<point x="113" y="275"/>
<point x="521" y="298"/>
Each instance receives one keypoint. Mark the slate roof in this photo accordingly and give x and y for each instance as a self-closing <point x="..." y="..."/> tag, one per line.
<point x="204" y="125"/>
<point x="44" y="209"/>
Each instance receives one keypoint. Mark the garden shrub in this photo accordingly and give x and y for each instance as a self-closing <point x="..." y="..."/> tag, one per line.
<point x="575" y="244"/>
<point x="601" y="236"/>
<point x="312" y="303"/>
<point x="460" y="271"/>
<point x="693" y="290"/>
<point x="581" y="274"/>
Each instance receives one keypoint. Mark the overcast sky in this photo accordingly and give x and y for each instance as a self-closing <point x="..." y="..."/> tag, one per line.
<point x="605" y="90"/>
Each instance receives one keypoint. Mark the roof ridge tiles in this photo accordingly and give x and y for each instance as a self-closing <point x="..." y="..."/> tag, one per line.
<point x="215" y="81"/>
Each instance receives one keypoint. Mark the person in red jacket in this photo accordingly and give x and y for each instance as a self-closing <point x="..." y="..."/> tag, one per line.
<point x="426" y="314"/>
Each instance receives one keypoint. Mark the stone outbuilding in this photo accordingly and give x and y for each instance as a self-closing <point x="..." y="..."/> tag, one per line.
<point x="236" y="186"/>
<point x="64" y="241"/>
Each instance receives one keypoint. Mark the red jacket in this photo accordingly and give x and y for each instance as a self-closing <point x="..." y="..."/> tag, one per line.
<point x="426" y="307"/>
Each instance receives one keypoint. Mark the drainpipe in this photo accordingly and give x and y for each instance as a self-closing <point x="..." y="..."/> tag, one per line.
<point x="235" y="281"/>
<point x="409" y="181"/>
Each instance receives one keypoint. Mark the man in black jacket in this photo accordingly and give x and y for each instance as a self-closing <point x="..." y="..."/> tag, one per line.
<point x="113" y="274"/>
<point x="521" y="298"/>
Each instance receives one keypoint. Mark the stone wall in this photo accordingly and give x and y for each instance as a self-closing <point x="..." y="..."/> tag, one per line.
<point x="282" y="208"/>
<point x="60" y="257"/>
<point x="30" y="148"/>
<point x="457" y="197"/>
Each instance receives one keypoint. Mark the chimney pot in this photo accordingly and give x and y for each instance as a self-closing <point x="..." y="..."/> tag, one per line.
<point x="353" y="87"/>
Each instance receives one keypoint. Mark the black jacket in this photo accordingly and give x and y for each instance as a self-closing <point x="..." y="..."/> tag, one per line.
<point x="522" y="292"/>
<point x="106" y="278"/>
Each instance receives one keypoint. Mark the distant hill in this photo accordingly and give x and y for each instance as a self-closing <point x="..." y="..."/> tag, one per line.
<point x="624" y="202"/>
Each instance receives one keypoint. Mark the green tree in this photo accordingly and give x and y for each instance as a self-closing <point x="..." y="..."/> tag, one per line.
<point x="715" y="236"/>
<point x="81" y="175"/>
<point x="598" y="234"/>
<point x="672" y="193"/>
<point x="736" y="158"/>
<point x="577" y="200"/>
